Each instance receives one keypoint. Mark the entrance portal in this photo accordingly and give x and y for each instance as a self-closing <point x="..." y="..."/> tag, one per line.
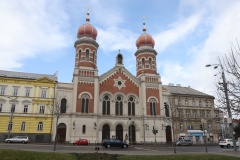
<point x="168" y="134"/>
<point x="61" y="133"/>
<point x="105" y="132"/>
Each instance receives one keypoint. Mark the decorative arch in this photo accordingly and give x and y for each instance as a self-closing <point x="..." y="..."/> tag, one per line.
<point x="90" y="95"/>
<point x="106" y="122"/>
<point x="134" y="95"/>
<point x="106" y="93"/>
<point x="148" y="100"/>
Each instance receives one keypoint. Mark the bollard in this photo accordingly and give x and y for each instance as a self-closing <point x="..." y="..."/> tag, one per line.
<point x="97" y="149"/>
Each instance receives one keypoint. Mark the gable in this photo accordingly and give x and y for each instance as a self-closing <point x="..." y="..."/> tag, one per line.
<point x="119" y="70"/>
<point x="119" y="82"/>
<point x="45" y="80"/>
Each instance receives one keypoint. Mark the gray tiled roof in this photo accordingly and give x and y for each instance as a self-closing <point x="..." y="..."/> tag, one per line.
<point x="184" y="90"/>
<point x="24" y="75"/>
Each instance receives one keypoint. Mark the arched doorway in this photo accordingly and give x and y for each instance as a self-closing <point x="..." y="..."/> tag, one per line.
<point x="168" y="134"/>
<point x="132" y="134"/>
<point x="61" y="133"/>
<point x="105" y="131"/>
<point x="119" y="132"/>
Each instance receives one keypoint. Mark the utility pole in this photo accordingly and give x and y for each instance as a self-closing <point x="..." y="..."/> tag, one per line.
<point x="205" y="137"/>
<point x="144" y="128"/>
<point x="227" y="102"/>
<point x="228" y="108"/>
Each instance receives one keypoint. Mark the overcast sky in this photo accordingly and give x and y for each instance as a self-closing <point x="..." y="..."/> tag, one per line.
<point x="38" y="36"/>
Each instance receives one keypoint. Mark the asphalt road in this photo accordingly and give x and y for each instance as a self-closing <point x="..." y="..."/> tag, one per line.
<point x="131" y="150"/>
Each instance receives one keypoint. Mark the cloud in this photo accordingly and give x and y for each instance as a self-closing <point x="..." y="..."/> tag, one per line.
<point x="30" y="28"/>
<point x="113" y="39"/>
<point x="222" y="30"/>
<point x="178" y="31"/>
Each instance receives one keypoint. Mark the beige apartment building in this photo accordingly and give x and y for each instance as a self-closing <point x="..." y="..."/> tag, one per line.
<point x="189" y="109"/>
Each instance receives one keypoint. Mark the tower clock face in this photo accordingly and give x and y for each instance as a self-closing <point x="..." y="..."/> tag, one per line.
<point x="120" y="83"/>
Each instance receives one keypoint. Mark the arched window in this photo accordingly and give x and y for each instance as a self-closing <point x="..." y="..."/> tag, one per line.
<point x="131" y="106"/>
<point x="143" y="63"/>
<point x="79" y="55"/>
<point x="166" y="109"/>
<point x="85" y="103"/>
<point x="87" y="55"/>
<point x="83" y="129"/>
<point x="150" y="63"/>
<point x="94" y="54"/>
<point x="63" y="105"/>
<point x="40" y="126"/>
<point x="119" y="105"/>
<point x="152" y="106"/>
<point x="106" y="105"/>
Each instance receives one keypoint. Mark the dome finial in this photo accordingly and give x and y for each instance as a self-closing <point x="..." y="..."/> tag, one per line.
<point x="144" y="27"/>
<point x="88" y="17"/>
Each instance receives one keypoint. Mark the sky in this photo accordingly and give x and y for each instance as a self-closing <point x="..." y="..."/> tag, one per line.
<point x="38" y="36"/>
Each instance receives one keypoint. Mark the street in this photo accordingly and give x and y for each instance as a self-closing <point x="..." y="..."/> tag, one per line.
<point x="131" y="150"/>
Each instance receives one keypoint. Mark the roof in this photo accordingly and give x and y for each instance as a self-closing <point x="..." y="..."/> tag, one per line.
<point x="24" y="75"/>
<point x="184" y="91"/>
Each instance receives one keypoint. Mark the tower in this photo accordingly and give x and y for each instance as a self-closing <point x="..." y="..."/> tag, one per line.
<point x="85" y="71"/>
<point x="150" y="81"/>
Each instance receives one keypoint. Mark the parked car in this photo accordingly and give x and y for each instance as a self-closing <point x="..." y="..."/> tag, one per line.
<point x="81" y="142"/>
<point x="184" y="142"/>
<point x="17" y="139"/>
<point x="114" y="143"/>
<point x="227" y="143"/>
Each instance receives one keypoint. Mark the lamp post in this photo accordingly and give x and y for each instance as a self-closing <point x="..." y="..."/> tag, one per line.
<point x="227" y="101"/>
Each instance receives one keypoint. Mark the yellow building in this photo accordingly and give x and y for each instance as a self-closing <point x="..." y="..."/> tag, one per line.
<point x="26" y="100"/>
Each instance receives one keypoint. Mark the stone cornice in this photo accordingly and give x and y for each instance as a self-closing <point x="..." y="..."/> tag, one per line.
<point x="81" y="41"/>
<point x="145" y="50"/>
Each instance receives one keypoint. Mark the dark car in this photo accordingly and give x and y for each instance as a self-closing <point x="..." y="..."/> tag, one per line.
<point x="81" y="142"/>
<point x="114" y="143"/>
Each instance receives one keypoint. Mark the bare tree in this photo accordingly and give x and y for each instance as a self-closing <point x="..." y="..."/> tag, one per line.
<point x="171" y="114"/>
<point x="58" y="110"/>
<point x="231" y="67"/>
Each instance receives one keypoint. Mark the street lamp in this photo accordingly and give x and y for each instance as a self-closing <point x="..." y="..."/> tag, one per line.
<point x="227" y="101"/>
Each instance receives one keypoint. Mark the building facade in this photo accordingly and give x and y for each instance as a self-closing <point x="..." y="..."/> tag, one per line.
<point x="190" y="109"/>
<point x="25" y="105"/>
<point x="115" y="104"/>
<point x="120" y="105"/>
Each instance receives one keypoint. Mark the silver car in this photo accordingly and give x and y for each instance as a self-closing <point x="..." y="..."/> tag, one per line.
<point x="17" y="139"/>
<point x="184" y="142"/>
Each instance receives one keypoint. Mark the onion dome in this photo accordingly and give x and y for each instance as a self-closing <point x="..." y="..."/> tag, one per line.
<point x="145" y="39"/>
<point x="87" y="29"/>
